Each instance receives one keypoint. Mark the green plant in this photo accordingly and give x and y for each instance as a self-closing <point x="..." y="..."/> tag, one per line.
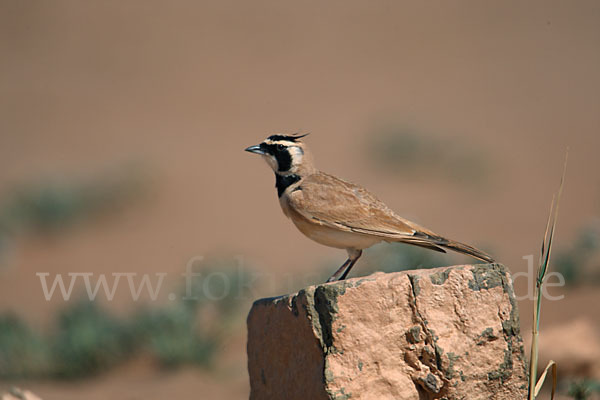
<point x="88" y="340"/>
<point x="191" y="330"/>
<point x="576" y="264"/>
<point x="51" y="206"/>
<point x="579" y="391"/>
<point x="582" y="390"/>
<point x="23" y="353"/>
<point x="174" y="336"/>
<point x="535" y="385"/>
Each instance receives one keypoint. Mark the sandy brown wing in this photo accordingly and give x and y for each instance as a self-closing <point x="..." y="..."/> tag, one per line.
<point x="330" y="201"/>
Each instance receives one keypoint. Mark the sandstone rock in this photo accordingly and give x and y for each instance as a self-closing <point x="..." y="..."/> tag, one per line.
<point x="450" y="333"/>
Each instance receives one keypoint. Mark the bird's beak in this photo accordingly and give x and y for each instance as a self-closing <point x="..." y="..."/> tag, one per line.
<point x="255" y="149"/>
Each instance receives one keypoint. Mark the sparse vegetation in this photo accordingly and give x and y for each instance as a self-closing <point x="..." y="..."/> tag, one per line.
<point x="87" y="339"/>
<point x="191" y="330"/>
<point x="582" y="390"/>
<point x="23" y="352"/>
<point x="49" y="207"/>
<point x="399" y="149"/>
<point x="400" y="257"/>
<point x="174" y="336"/>
<point x="580" y="263"/>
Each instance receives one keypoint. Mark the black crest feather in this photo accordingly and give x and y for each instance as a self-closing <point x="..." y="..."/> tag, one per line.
<point x="289" y="138"/>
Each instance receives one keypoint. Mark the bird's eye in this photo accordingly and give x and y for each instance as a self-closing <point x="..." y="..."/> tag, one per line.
<point x="280" y="147"/>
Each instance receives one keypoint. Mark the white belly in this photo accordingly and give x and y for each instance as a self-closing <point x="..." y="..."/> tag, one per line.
<point x="335" y="238"/>
<point x="328" y="236"/>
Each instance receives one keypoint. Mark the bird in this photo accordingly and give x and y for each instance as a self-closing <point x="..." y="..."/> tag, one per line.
<point x="337" y="213"/>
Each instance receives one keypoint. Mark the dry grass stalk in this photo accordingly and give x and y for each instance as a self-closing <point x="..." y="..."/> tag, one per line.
<point x="535" y="387"/>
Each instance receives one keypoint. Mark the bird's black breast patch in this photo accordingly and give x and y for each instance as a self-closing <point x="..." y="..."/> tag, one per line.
<point x="282" y="182"/>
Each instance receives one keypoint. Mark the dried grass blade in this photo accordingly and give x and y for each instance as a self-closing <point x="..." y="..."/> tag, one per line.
<point x="540" y="383"/>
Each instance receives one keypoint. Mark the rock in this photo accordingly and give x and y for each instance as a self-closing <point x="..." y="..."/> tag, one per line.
<point x="18" y="394"/>
<point x="449" y="333"/>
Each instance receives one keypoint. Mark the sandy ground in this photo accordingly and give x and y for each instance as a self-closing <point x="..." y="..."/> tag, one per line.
<point x="181" y="88"/>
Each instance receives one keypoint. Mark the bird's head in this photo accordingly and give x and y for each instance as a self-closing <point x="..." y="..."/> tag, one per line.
<point x="285" y="154"/>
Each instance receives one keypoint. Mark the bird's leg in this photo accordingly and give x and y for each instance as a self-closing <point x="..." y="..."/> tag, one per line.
<point x="353" y="255"/>
<point x="337" y="273"/>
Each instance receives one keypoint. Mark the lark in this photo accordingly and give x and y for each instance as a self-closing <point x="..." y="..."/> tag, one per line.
<point x="337" y="213"/>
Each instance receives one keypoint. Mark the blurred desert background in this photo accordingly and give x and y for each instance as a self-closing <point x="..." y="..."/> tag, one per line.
<point x="122" y="129"/>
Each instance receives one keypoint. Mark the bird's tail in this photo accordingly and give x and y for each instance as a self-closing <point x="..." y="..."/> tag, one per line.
<point x="439" y="243"/>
